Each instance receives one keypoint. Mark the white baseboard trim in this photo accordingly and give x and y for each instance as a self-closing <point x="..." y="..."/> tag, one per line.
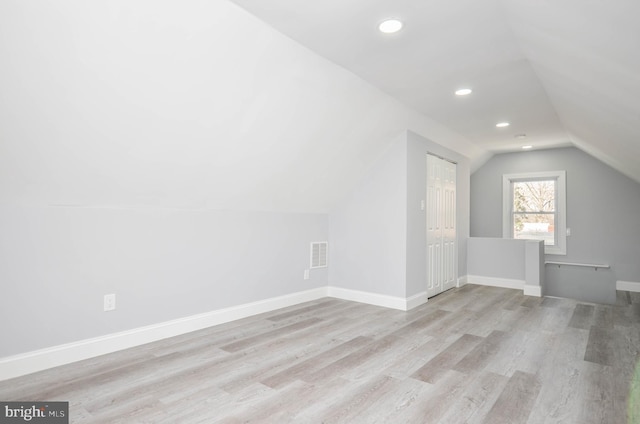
<point x="462" y="281"/>
<point x="38" y="360"/>
<point x="376" y="299"/>
<point x="30" y="362"/>
<point x="416" y="300"/>
<point x="506" y="283"/>
<point x="632" y="286"/>
<point x="531" y="290"/>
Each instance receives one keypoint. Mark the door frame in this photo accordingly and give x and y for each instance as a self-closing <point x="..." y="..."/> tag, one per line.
<point x="443" y="284"/>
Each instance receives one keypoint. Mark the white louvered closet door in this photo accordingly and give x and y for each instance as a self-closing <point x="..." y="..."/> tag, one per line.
<point x="441" y="225"/>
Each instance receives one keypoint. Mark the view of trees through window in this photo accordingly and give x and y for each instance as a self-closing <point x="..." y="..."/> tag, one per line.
<point x="534" y="210"/>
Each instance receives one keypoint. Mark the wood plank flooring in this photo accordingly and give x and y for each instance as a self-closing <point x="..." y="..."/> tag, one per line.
<point x="470" y="355"/>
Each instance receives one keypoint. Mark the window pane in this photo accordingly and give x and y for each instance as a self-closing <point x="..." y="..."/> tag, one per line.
<point x="534" y="196"/>
<point x="534" y="226"/>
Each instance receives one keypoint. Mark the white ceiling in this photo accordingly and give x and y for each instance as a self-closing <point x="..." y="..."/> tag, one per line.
<point x="562" y="72"/>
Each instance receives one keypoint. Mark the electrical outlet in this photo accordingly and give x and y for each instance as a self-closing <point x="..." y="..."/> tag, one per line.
<point x="109" y="302"/>
<point x="306" y="274"/>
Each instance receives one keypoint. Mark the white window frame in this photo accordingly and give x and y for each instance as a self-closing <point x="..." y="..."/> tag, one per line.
<point x="561" y="206"/>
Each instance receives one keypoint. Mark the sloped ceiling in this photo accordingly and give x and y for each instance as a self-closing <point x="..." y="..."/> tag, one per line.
<point x="561" y="72"/>
<point x="202" y="104"/>
<point x="182" y="105"/>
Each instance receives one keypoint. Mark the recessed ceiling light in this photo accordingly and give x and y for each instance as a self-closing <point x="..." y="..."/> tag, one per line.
<point x="527" y="147"/>
<point x="390" y="26"/>
<point x="502" y="124"/>
<point x="463" y="92"/>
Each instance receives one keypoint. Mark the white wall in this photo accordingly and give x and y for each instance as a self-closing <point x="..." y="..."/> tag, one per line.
<point x="155" y="149"/>
<point x="192" y="104"/>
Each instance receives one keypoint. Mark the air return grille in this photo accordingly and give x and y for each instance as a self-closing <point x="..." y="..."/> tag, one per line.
<point x="319" y="253"/>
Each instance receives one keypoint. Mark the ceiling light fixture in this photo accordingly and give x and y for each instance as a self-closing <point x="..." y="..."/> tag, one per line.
<point x="527" y="147"/>
<point x="390" y="26"/>
<point x="463" y="92"/>
<point x="502" y="124"/>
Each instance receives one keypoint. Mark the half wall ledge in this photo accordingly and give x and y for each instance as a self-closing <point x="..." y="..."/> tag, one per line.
<point x="508" y="263"/>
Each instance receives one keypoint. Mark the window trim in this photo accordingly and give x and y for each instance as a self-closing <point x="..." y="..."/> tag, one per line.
<point x="561" y="206"/>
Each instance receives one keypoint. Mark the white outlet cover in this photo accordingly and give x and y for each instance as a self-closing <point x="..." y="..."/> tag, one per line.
<point x="109" y="302"/>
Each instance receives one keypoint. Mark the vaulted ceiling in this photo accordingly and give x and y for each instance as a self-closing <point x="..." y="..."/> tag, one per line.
<point x="204" y="105"/>
<point x="560" y="72"/>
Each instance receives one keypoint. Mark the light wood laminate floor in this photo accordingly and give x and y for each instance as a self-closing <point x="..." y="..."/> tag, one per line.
<point x="470" y="355"/>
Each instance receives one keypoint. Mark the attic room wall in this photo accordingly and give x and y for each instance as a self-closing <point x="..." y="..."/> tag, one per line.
<point x="378" y="233"/>
<point x="181" y="155"/>
<point x="129" y="164"/>
<point x="57" y="263"/>
<point x="602" y="207"/>
<point x="367" y="230"/>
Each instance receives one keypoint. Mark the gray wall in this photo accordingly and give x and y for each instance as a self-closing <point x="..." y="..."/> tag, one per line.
<point x="520" y="261"/>
<point x="368" y="229"/>
<point x="603" y="207"/>
<point x="57" y="263"/>
<point x="378" y="234"/>
<point x="417" y="149"/>
<point x="496" y="257"/>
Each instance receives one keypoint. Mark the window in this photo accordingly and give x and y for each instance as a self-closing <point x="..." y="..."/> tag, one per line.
<point x="534" y="207"/>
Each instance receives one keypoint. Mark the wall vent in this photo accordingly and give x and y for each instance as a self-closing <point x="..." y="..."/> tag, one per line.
<point x="319" y="254"/>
